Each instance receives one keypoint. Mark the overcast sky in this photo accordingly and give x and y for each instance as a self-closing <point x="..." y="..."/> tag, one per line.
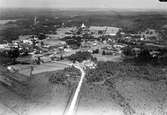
<point x="138" y="4"/>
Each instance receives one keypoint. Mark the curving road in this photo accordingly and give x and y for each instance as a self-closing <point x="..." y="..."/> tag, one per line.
<point x="73" y="103"/>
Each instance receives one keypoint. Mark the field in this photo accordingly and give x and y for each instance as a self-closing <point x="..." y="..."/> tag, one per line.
<point x="42" y="98"/>
<point x="100" y="57"/>
<point x="123" y="89"/>
<point x="130" y="96"/>
<point x="46" y="67"/>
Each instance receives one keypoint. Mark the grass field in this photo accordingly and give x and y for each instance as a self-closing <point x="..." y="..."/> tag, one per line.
<point x="46" y="67"/>
<point x="42" y="98"/>
<point x="116" y="58"/>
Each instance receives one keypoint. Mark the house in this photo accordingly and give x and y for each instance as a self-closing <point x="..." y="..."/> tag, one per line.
<point x="27" y="42"/>
<point x="90" y="64"/>
<point x="136" y="51"/>
<point x="83" y="26"/>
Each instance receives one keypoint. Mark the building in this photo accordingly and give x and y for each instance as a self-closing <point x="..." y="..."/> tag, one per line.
<point x="29" y="42"/>
<point x="3" y="46"/>
<point x="90" y="64"/>
<point x="83" y="26"/>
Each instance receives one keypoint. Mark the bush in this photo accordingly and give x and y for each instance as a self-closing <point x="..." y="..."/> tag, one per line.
<point x="61" y="76"/>
<point x="58" y="78"/>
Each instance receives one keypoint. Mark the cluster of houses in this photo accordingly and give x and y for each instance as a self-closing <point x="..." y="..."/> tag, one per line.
<point x="53" y="48"/>
<point x="146" y="35"/>
<point x="89" y="64"/>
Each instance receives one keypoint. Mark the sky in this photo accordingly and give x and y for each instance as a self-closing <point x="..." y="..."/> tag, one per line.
<point x="106" y="4"/>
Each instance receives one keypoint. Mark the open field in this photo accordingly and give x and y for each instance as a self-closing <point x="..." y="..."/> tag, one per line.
<point x="129" y="96"/>
<point x="125" y="87"/>
<point x="116" y="58"/>
<point x="42" y="98"/>
<point x="46" y="67"/>
<point x="143" y="96"/>
<point x="96" y="100"/>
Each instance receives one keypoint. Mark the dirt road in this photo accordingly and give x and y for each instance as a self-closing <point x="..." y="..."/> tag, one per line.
<point x="73" y="103"/>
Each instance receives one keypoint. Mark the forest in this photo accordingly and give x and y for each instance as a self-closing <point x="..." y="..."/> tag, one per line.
<point x="130" y="22"/>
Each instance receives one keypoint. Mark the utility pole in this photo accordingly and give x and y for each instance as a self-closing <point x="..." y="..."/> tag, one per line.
<point x="31" y="69"/>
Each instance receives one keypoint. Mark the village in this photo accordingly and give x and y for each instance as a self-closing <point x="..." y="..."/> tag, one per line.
<point x="104" y="42"/>
<point x="59" y="46"/>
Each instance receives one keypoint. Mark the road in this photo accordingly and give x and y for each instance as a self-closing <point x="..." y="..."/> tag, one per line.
<point x="71" y="109"/>
<point x="75" y="96"/>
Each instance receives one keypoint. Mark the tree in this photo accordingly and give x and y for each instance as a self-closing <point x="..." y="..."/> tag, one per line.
<point x="96" y="51"/>
<point x="41" y="36"/>
<point x="127" y="51"/>
<point x="103" y="53"/>
<point x="61" y="57"/>
<point x="145" y="55"/>
<point x="80" y="56"/>
<point x="14" y="53"/>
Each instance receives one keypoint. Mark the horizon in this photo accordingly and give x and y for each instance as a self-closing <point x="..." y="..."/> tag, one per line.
<point x="88" y="9"/>
<point x="85" y="4"/>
